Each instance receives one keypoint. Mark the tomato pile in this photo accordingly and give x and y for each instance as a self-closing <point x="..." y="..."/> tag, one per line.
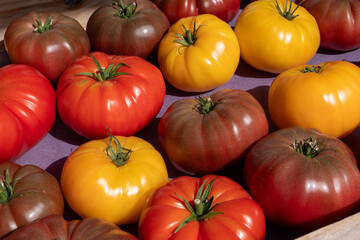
<point x="243" y="164"/>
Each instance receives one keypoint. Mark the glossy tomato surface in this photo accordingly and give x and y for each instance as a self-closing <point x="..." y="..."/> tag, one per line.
<point x="33" y="194"/>
<point x="199" y="53"/>
<point x="27" y="109"/>
<point x="124" y="104"/>
<point x="50" y="50"/>
<point x="303" y="188"/>
<point x="56" y="227"/>
<point x="238" y="216"/>
<point x="324" y="96"/>
<point x="338" y="21"/>
<point x="274" y="38"/>
<point x="96" y="185"/>
<point x="226" y="10"/>
<point x="199" y="139"/>
<point x="134" y="28"/>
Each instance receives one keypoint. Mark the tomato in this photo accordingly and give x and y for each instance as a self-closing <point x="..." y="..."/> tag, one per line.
<point x="27" y="193"/>
<point x="56" y="227"/>
<point x="303" y="179"/>
<point x="199" y="53"/>
<point x="125" y="92"/>
<point x="127" y="27"/>
<point x="226" y="10"/>
<point x="111" y="178"/>
<point x="205" y="135"/>
<point x="326" y="97"/>
<point x="211" y="207"/>
<point x="338" y="21"/>
<point x="276" y="35"/>
<point x="47" y="41"/>
<point x="27" y="109"/>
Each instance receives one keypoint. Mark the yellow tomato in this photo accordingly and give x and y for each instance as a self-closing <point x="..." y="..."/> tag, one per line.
<point x="325" y="97"/>
<point x="276" y="35"/>
<point x="112" y="181"/>
<point x="199" y="53"/>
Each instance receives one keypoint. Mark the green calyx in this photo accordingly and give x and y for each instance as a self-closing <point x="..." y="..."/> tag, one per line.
<point x="7" y="188"/>
<point x="118" y="155"/>
<point x="190" y="36"/>
<point x="313" y="69"/>
<point x="308" y="147"/>
<point x="202" y="209"/>
<point x="40" y="28"/>
<point x="104" y="74"/>
<point x="205" y="105"/>
<point x="287" y="13"/>
<point x="125" y="11"/>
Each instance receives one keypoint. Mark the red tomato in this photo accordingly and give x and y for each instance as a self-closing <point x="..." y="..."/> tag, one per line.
<point x="27" y="193"/>
<point x="122" y="95"/>
<point x="47" y="41"/>
<point x="211" y="207"/>
<point x="205" y="135"/>
<point x="338" y="21"/>
<point x="27" y="109"/>
<point x="56" y="227"/>
<point x="127" y="27"/>
<point x="303" y="179"/>
<point x="226" y="10"/>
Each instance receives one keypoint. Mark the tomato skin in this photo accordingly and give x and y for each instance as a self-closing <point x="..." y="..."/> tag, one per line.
<point x="338" y="21"/>
<point x="37" y="194"/>
<point x="298" y="192"/>
<point x="289" y="43"/>
<point x="226" y="10"/>
<point x="51" y="51"/>
<point x="56" y="227"/>
<point x="209" y="63"/>
<point x="200" y="144"/>
<point x="333" y="110"/>
<point x="95" y="187"/>
<point x="164" y="211"/>
<point x="27" y="109"/>
<point x="138" y="35"/>
<point x="123" y="105"/>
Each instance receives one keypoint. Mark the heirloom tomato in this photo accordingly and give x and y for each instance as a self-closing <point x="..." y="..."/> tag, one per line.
<point x="127" y="27"/>
<point x="205" y="135"/>
<point x="275" y="35"/>
<point x="27" y="193"/>
<point x="338" y="21"/>
<point x="111" y="178"/>
<point x="326" y="97"/>
<point x="47" y="41"/>
<point x="57" y="228"/>
<point x="27" y="109"/>
<point x="226" y="10"/>
<point x="212" y="207"/>
<point x="302" y="178"/>
<point x="99" y="92"/>
<point x="199" y="53"/>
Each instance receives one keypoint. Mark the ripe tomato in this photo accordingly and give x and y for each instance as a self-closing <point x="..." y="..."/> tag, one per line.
<point x="127" y="27"/>
<point x="121" y="93"/>
<point x="56" y="227"/>
<point x="27" y="109"/>
<point x="47" y="41"/>
<point x="326" y="97"/>
<point x="338" y="21"/>
<point x="199" y="53"/>
<point x="276" y="35"/>
<point x="303" y="179"/>
<point x="206" y="135"/>
<point x="27" y="193"/>
<point x="211" y="207"/>
<point x="226" y="10"/>
<point x="111" y="178"/>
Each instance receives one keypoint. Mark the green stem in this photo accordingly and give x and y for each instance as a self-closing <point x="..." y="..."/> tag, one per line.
<point x="313" y="69"/>
<point x="118" y="155"/>
<point x="287" y="13"/>
<point x="40" y="28"/>
<point x="7" y="188"/>
<point x="308" y="147"/>
<point x="190" y="37"/>
<point x="125" y="11"/>
<point x="205" y="105"/>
